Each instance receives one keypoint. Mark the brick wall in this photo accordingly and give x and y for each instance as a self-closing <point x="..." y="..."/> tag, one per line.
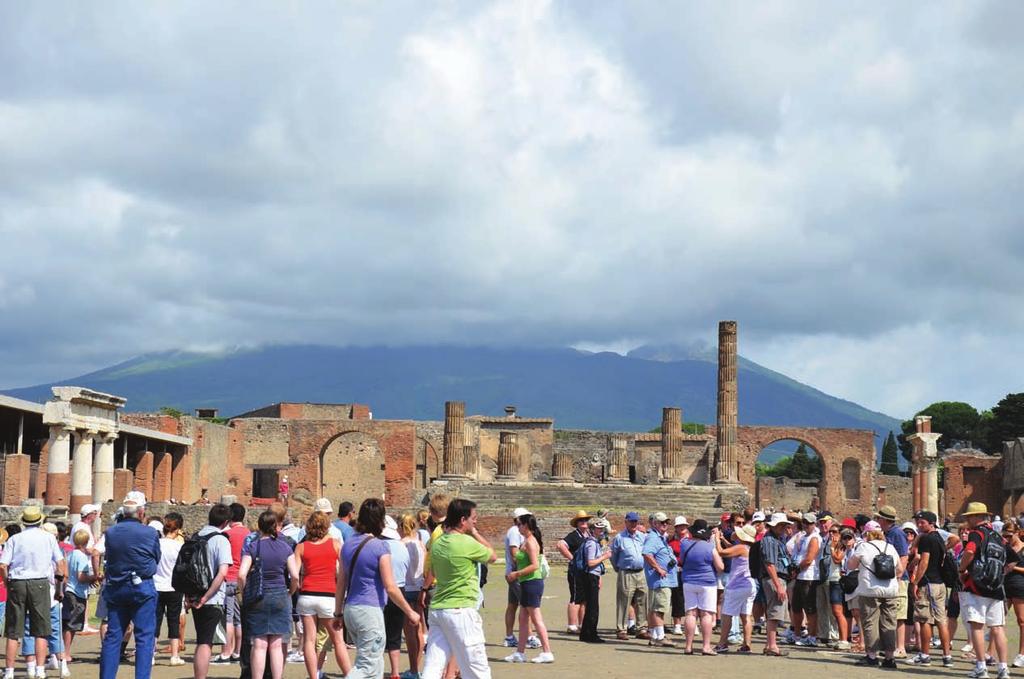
<point x="973" y="477"/>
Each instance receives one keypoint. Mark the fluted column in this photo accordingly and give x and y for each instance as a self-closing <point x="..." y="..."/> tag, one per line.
<point x="58" y="470"/>
<point x="454" y="458"/>
<point x="672" y="446"/>
<point x="103" y="469"/>
<point x="931" y="477"/>
<point x="561" y="467"/>
<point x="81" y="472"/>
<point x="726" y="469"/>
<point x="508" y="456"/>
<point x="618" y="467"/>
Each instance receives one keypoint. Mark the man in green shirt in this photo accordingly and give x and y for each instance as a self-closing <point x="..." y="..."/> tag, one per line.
<point x="455" y="625"/>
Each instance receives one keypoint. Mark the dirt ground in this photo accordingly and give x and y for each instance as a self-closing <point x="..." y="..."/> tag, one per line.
<point x="614" y="659"/>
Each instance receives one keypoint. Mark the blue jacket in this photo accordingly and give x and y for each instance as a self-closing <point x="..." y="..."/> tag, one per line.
<point x="131" y="548"/>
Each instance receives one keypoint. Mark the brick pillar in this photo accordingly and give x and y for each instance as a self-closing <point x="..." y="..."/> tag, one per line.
<point x="162" y="477"/>
<point x="508" y="456"/>
<point x="672" y="446"/>
<point x="618" y="469"/>
<point x="144" y="473"/>
<point x="16" y="473"/>
<point x="124" y="481"/>
<point x="454" y="462"/>
<point x="181" y="475"/>
<point x="726" y="470"/>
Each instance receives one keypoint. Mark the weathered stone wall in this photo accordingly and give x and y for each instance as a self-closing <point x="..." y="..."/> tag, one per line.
<point x="973" y="476"/>
<point x="791" y="494"/>
<point x="536" y="447"/>
<point x="695" y="459"/>
<point x="591" y="451"/>
<point x="898" y="492"/>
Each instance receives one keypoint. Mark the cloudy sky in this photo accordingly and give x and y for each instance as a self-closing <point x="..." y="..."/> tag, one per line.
<point x="845" y="181"/>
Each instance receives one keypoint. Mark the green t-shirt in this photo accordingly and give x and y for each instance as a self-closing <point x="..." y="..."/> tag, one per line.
<point x="454" y="557"/>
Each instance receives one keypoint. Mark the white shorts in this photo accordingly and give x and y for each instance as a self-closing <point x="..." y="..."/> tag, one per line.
<point x="739" y="598"/>
<point x="981" y="609"/>
<point x="458" y="633"/>
<point x="703" y="597"/>
<point x="317" y="606"/>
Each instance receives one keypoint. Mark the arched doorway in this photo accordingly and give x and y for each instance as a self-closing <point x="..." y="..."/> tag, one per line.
<point x="427" y="468"/>
<point x="351" y="468"/>
<point x="789" y="474"/>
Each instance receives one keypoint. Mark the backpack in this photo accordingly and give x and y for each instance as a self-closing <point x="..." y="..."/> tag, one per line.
<point x="191" y="575"/>
<point x="579" y="557"/>
<point x="825" y="563"/>
<point x="950" y="571"/>
<point x="754" y="561"/>
<point x="986" y="569"/>
<point x="885" y="565"/>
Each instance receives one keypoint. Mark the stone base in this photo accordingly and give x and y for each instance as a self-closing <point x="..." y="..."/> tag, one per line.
<point x="562" y="480"/>
<point x="617" y="482"/>
<point x="505" y="478"/>
<point x="672" y="482"/>
<point x="454" y="477"/>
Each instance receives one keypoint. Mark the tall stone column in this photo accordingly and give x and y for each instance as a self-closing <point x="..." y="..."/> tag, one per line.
<point x="58" y="470"/>
<point x="915" y="496"/>
<point x="618" y="468"/>
<point x="144" y="473"/>
<point x="181" y="475"/>
<point x="726" y="471"/>
<point x="508" y="456"/>
<point x="925" y="459"/>
<point x="931" y="475"/>
<point x="453" y="464"/>
<point x="671" y="445"/>
<point x="561" y="467"/>
<point x="81" y="472"/>
<point x="103" y="469"/>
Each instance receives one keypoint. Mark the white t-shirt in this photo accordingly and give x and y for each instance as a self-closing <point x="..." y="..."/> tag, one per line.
<point x="414" y="576"/>
<point x="803" y="546"/>
<point x="867" y="584"/>
<point x="513" y="538"/>
<point x="168" y="556"/>
<point x="218" y="553"/>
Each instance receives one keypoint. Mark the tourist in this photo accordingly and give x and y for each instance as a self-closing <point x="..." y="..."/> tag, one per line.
<point x="849" y="540"/>
<point x="701" y="563"/>
<point x="323" y="505"/>
<point x="805" y="588"/>
<point x="910" y="625"/>
<point x="774" y="575"/>
<point x="456" y="629"/>
<point x="878" y="595"/>
<point x="317" y="557"/>
<point x="365" y="581"/>
<point x="236" y="533"/>
<point x="513" y="542"/>
<point x="595" y="555"/>
<point x="886" y="518"/>
<point x="208" y="609"/>
<point x="168" y="600"/>
<point x="680" y="531"/>
<point x="415" y="634"/>
<point x="346" y="514"/>
<point x="394" y="619"/>
<point x="928" y="591"/>
<point x="55" y="641"/>
<point x="660" y="573"/>
<point x="270" y="562"/>
<point x="3" y="585"/>
<point x="531" y="581"/>
<point x="981" y="601"/>
<point x="835" y="594"/>
<point x="282" y="490"/>
<point x="132" y="555"/>
<point x="1013" y="583"/>
<point x="567" y="547"/>
<point x="80" y="578"/>
<point x="631" y="585"/>
<point x="741" y="589"/>
<point x="422" y="521"/>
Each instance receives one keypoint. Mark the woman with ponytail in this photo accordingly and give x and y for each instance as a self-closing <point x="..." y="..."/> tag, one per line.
<point x="528" y="573"/>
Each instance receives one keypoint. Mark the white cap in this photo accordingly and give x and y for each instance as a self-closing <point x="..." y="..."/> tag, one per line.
<point x="88" y="509"/>
<point x="659" y="516"/>
<point x="157" y="526"/>
<point x="137" y="497"/>
<point x="758" y="516"/>
<point x="779" y="517"/>
<point x="521" y="511"/>
<point x="390" y="529"/>
<point x="681" y="521"/>
<point x="910" y="525"/>
<point x="324" y="505"/>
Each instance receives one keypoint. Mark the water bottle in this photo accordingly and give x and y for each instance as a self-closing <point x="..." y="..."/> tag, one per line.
<point x="136" y="580"/>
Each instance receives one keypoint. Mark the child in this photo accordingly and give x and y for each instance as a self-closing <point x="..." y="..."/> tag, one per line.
<point x="80" y="578"/>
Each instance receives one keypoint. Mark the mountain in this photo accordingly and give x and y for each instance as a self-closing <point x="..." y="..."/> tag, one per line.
<point x="583" y="390"/>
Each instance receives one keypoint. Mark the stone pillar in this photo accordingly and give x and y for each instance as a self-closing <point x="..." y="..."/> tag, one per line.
<point x="144" y="473"/>
<point x="181" y="475"/>
<point x="671" y="446"/>
<point x="124" y="481"/>
<point x="103" y="469"/>
<point x="561" y="467"/>
<point x="58" y="470"/>
<point x="508" y="456"/>
<point x="618" y="468"/>
<point x="931" y="479"/>
<point x="454" y="460"/>
<point x="16" y="473"/>
<point x="726" y="470"/>
<point x="915" y="498"/>
<point x="41" y="472"/>
<point x="81" y="472"/>
<point x="925" y="461"/>
<point x="162" y="477"/>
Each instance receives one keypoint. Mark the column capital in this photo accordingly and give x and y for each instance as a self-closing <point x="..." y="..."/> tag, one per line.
<point x="87" y="433"/>
<point x="107" y="436"/>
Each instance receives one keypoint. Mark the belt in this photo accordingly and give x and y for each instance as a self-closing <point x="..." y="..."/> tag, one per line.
<point x="631" y="570"/>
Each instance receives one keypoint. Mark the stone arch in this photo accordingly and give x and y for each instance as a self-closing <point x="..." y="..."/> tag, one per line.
<point x="427" y="465"/>
<point x="813" y="494"/>
<point x="851" y="479"/>
<point x="351" y="468"/>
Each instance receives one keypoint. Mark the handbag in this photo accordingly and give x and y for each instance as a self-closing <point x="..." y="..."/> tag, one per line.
<point x="253" y="592"/>
<point x="848" y="581"/>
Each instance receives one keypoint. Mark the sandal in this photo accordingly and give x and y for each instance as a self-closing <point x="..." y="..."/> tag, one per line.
<point x="722" y="648"/>
<point x="687" y="652"/>
<point x="775" y="653"/>
<point x="711" y="652"/>
<point x="744" y="649"/>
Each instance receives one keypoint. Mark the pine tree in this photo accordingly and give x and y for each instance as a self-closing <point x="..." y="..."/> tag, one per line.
<point x="890" y="457"/>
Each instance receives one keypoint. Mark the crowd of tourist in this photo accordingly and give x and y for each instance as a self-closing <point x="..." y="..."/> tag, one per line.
<point x="360" y="585"/>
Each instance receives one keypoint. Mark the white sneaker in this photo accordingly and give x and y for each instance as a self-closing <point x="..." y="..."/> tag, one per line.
<point x="296" y="657"/>
<point x="515" y="657"/>
<point x="677" y="630"/>
<point x="1018" y="661"/>
<point x="176" y="661"/>
<point x="532" y="642"/>
<point x="65" y="672"/>
<point x="53" y="663"/>
<point x="978" y="673"/>
<point x="40" y="672"/>
<point x="510" y="641"/>
<point x="544" y="658"/>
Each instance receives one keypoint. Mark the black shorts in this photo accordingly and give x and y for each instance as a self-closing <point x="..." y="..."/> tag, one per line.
<point x="575" y="591"/>
<point x="805" y="596"/>
<point x="168" y="604"/>
<point x="515" y="592"/>
<point x="394" y="621"/>
<point x="72" y="614"/>
<point x="207" y="618"/>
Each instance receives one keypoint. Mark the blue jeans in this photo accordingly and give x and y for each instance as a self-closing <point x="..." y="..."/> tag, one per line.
<point x="55" y="641"/>
<point x="128" y="603"/>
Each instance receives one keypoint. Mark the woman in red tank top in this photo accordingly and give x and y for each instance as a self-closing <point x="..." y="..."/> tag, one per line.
<point x="318" y="558"/>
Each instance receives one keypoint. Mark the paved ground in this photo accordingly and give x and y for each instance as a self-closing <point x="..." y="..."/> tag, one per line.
<point x="614" y="659"/>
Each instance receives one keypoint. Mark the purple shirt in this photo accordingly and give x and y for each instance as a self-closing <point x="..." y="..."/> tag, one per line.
<point x="365" y="588"/>
<point x="273" y="554"/>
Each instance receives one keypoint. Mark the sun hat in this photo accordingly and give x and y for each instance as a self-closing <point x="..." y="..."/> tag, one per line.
<point x="660" y="517"/>
<point x="390" y="529"/>
<point x="681" y="521"/>
<point x="758" y="516"/>
<point x="581" y="515"/>
<point x="887" y="512"/>
<point x="520" y="511"/>
<point x="872" y="525"/>
<point x="632" y="516"/>
<point x="976" y="509"/>
<point x="324" y="505"/>
<point x="777" y="518"/>
<point x="31" y="515"/>
<point x="809" y="517"/>
<point x="747" y="533"/>
<point x="88" y="509"/>
<point x="909" y="525"/>
<point x="599" y="523"/>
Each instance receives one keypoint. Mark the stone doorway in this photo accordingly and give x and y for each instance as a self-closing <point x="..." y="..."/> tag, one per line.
<point x="427" y="467"/>
<point x="351" y="468"/>
<point x="789" y="474"/>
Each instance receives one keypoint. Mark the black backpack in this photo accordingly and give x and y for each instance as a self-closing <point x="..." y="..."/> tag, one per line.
<point x="885" y="565"/>
<point x="754" y="561"/>
<point x="950" y="571"/>
<point x="191" y="574"/>
<point x="987" y="567"/>
<point x="825" y="563"/>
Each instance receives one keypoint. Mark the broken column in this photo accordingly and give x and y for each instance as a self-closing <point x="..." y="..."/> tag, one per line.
<point x="81" y="472"/>
<point x="925" y="461"/>
<point x="454" y="458"/>
<point x="726" y="469"/>
<point x="508" y="456"/>
<point x="672" y="446"/>
<point x="618" y="467"/>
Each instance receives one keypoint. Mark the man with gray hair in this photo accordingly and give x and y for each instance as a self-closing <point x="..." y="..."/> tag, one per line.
<point x="133" y="553"/>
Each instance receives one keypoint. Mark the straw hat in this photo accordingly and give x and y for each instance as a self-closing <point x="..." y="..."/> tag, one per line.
<point x="887" y="512"/>
<point x="976" y="509"/>
<point x="747" y="533"/>
<point x="581" y="515"/>
<point x="31" y="515"/>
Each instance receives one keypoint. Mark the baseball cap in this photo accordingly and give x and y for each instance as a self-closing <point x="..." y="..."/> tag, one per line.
<point x="324" y="505"/>
<point x="135" y="496"/>
<point x="927" y="516"/>
<point x="909" y="525"/>
<point x="660" y="516"/>
<point x="809" y="517"/>
<point x="758" y="516"/>
<point x="872" y="525"/>
<point x="599" y="523"/>
<point x="779" y="517"/>
<point x="725" y="516"/>
<point x="681" y="521"/>
<point x="521" y="511"/>
<point x="849" y="523"/>
<point x="632" y="516"/>
<point x="88" y="509"/>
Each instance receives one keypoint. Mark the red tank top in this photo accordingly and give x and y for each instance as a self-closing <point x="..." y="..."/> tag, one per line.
<point x="320" y="567"/>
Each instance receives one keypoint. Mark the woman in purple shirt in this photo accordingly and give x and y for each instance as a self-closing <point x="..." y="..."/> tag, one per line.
<point x="268" y="620"/>
<point x="364" y="580"/>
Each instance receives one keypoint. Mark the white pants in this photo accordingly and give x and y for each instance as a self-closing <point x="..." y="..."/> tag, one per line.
<point x="458" y="631"/>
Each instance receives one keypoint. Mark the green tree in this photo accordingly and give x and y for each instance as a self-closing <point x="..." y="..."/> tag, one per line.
<point x="890" y="461"/>
<point x="1007" y="421"/>
<point x="955" y="420"/>
<point x="172" y="412"/>
<point x="799" y="465"/>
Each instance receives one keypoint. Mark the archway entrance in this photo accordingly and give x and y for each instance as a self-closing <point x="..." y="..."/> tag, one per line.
<point x="351" y="468"/>
<point x="789" y="475"/>
<point x="427" y="468"/>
